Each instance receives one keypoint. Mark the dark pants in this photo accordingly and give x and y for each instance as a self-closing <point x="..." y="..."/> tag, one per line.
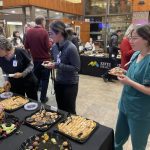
<point x="27" y="85"/>
<point x="42" y="75"/>
<point x="66" y="96"/>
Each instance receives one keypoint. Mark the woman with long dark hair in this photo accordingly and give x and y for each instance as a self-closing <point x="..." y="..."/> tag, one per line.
<point x="67" y="65"/>
<point x="17" y="40"/>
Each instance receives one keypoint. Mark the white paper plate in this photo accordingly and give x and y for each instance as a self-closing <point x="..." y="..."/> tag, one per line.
<point x="31" y="106"/>
<point x="11" y="75"/>
<point x="6" y="95"/>
<point x="8" y="75"/>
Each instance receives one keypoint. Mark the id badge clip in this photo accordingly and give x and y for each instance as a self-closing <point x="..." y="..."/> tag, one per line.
<point x="15" y="62"/>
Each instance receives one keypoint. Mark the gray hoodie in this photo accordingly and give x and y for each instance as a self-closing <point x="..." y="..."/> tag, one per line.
<point x="67" y="62"/>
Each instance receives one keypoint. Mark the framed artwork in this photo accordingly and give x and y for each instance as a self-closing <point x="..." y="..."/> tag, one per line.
<point x="77" y="30"/>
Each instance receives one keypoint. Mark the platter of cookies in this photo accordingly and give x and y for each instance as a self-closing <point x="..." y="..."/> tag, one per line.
<point x="46" y="141"/>
<point x="77" y="128"/>
<point x="43" y="119"/>
<point x="117" y="71"/>
<point x="13" y="103"/>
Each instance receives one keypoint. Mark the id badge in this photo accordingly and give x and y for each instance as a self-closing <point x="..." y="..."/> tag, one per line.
<point x="15" y="63"/>
<point x="58" y="60"/>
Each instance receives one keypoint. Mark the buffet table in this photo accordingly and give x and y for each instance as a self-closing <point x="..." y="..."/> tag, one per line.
<point x="96" y="66"/>
<point x="101" y="139"/>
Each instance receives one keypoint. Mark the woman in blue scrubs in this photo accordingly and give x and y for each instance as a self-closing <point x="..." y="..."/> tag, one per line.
<point x="134" y="105"/>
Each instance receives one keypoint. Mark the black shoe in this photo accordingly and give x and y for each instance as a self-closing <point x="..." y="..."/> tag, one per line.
<point x="105" y="79"/>
<point x="45" y="100"/>
<point x="111" y="80"/>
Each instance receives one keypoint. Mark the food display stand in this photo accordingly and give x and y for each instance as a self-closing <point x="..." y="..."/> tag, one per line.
<point x="101" y="139"/>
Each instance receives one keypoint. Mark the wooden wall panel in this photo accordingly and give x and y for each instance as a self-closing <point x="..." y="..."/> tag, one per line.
<point x="62" y="4"/>
<point x="144" y="7"/>
<point x="14" y="3"/>
<point x="69" y="7"/>
<point x="85" y="37"/>
<point x="58" y="5"/>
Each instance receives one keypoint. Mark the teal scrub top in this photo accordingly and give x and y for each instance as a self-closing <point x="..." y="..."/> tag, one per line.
<point x="134" y="103"/>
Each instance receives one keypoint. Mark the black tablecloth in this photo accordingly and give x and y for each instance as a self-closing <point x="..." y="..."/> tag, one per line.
<point x="101" y="139"/>
<point x="96" y="66"/>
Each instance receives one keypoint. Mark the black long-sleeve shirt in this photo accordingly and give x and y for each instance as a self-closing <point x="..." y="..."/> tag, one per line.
<point x="24" y="63"/>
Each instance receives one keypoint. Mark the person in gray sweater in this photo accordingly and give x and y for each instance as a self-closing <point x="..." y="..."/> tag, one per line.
<point x="67" y="65"/>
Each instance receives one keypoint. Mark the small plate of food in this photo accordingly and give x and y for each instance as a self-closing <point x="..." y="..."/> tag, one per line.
<point x="117" y="71"/>
<point x="8" y="75"/>
<point x="6" y="95"/>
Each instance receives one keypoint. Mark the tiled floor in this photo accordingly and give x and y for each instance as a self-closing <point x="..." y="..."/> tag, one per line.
<point x="96" y="100"/>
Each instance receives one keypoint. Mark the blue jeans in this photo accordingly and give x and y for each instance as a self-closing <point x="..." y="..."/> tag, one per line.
<point x="138" y="129"/>
<point x="42" y="75"/>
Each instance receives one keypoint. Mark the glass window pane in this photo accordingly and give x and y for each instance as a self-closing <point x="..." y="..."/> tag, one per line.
<point x="39" y="11"/>
<point x="70" y="16"/>
<point x="95" y="7"/>
<point x="55" y="15"/>
<point x="27" y="11"/>
<point x="124" y="6"/>
<point x="12" y="11"/>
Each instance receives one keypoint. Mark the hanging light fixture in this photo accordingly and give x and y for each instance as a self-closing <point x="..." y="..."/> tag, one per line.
<point x="74" y="1"/>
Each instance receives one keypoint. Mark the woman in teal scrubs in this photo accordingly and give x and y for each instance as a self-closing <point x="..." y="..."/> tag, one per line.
<point x="134" y="105"/>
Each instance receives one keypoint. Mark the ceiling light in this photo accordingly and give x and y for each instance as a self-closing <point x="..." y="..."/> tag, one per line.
<point x="37" y="10"/>
<point x="1" y="3"/>
<point x="74" y="1"/>
<point x="13" y="11"/>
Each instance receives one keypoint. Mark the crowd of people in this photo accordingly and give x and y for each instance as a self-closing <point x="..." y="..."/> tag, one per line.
<point x="25" y="60"/>
<point x="33" y="59"/>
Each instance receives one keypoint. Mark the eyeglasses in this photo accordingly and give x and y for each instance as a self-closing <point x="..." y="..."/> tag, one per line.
<point x="134" y="38"/>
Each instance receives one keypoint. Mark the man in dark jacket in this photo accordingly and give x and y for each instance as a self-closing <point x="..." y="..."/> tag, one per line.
<point x="113" y="52"/>
<point x="72" y="36"/>
<point x="113" y="44"/>
<point x="37" y="42"/>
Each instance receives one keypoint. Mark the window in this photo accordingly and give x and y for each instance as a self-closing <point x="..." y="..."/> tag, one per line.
<point x="95" y="7"/>
<point x="124" y="6"/>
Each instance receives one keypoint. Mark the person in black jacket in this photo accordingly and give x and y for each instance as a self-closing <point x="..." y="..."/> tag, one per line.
<point x="72" y="36"/>
<point x="113" y="44"/>
<point x="18" y="63"/>
<point x="113" y="52"/>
